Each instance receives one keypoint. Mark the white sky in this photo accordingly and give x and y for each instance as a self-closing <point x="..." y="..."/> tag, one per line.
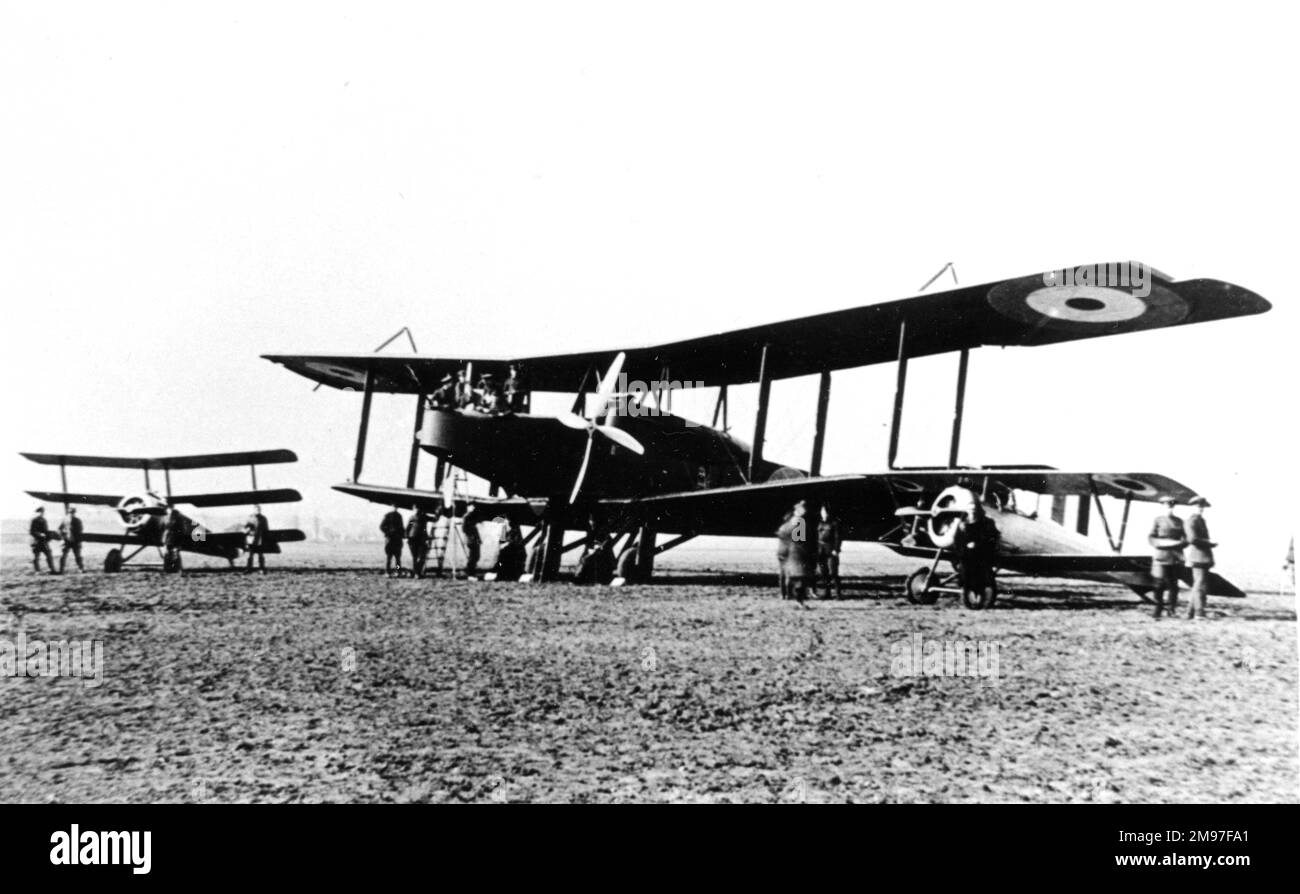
<point x="183" y="190"/>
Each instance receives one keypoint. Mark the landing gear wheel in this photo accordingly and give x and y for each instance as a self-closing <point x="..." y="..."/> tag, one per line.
<point x="170" y="565"/>
<point x="915" y="588"/>
<point x="113" y="561"/>
<point x="627" y="566"/>
<point x="980" y="598"/>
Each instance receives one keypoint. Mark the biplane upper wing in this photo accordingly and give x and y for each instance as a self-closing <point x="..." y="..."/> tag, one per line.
<point x="866" y="503"/>
<point x="168" y="463"/>
<point x="1030" y="310"/>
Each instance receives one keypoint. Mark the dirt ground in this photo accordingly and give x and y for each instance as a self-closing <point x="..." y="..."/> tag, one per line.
<point x="325" y="681"/>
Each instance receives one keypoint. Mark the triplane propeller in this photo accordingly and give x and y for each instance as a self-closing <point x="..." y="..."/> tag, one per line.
<point x="142" y="512"/>
<point x="666" y="475"/>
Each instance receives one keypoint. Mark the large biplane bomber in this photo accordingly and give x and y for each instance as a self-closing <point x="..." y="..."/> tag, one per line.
<point x="633" y="479"/>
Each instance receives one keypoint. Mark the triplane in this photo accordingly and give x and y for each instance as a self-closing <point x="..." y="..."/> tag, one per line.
<point x="627" y="470"/>
<point x="142" y="512"/>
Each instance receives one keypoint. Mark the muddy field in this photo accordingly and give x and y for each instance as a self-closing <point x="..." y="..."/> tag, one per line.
<point x="329" y="682"/>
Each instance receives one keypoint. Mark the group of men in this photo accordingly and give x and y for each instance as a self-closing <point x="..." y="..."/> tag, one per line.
<point x="69" y="532"/>
<point x="415" y="532"/>
<point x="806" y="563"/>
<point x="1178" y="543"/>
<point x="488" y="396"/>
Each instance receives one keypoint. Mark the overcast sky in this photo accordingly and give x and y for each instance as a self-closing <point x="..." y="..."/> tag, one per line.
<point x="183" y="190"/>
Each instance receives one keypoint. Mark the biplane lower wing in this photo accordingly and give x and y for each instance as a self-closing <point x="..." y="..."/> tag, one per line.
<point x="520" y="510"/>
<point x="866" y="503"/>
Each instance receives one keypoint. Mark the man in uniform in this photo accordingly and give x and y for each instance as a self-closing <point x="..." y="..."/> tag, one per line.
<point x="70" y="529"/>
<point x="392" y="528"/>
<point x="256" y="533"/>
<point x="1168" y="538"/>
<point x="417" y="538"/>
<point x="783" y="534"/>
<point x="445" y="397"/>
<point x="800" y="563"/>
<point x="976" y="544"/>
<point x="39" y="529"/>
<point x="473" y="542"/>
<point x="1200" y="555"/>
<point x="490" y="398"/>
<point x="828" y="552"/>
<point x="510" y="554"/>
<point x="173" y="534"/>
<point x="516" y="391"/>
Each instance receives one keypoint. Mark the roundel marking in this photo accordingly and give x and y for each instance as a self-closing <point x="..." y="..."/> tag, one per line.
<point x="1086" y="304"/>
<point x="906" y="484"/>
<point x="1128" y="485"/>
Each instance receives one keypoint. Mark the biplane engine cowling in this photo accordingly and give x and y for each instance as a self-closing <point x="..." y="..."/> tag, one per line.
<point x="137" y="509"/>
<point x="947" y="509"/>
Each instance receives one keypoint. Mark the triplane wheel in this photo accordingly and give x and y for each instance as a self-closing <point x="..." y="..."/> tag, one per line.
<point x="917" y="588"/>
<point x="113" y="561"/>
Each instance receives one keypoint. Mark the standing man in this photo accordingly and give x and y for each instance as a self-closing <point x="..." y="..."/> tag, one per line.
<point x="70" y="530"/>
<point x="256" y="533"/>
<point x="392" y="528"/>
<point x="976" y="545"/>
<point x="783" y="534"/>
<point x="473" y="542"/>
<point x="1168" y="538"/>
<point x="1200" y="555"/>
<point x="829" y="541"/>
<point x="516" y="391"/>
<point x="173" y="534"/>
<point x="417" y="538"/>
<point x="800" y="563"/>
<point x="39" y="529"/>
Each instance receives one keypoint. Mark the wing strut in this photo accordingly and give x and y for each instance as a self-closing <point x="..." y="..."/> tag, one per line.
<point x="959" y="408"/>
<point x="414" y="462"/>
<point x="760" y="421"/>
<point x="819" y="432"/>
<point x="721" y="407"/>
<point x="900" y="388"/>
<point x="360" y="457"/>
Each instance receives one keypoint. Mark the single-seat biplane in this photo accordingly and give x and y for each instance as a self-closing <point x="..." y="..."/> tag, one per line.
<point x="629" y="470"/>
<point x="142" y="512"/>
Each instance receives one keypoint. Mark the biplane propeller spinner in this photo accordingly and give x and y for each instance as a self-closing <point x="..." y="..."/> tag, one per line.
<point x="689" y="479"/>
<point x="142" y="511"/>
